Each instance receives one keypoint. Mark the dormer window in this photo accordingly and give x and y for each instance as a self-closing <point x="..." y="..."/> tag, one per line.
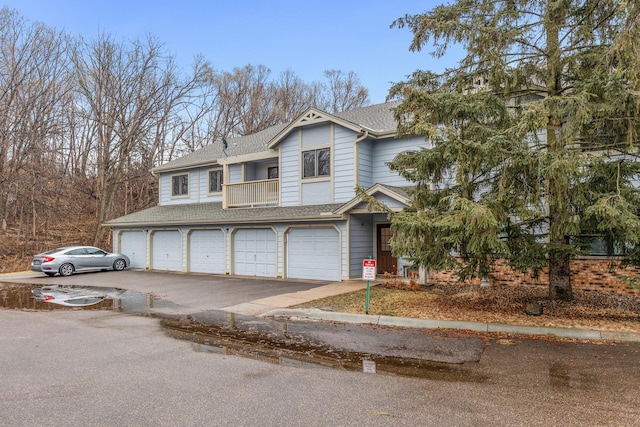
<point x="316" y="163"/>
<point x="180" y="185"/>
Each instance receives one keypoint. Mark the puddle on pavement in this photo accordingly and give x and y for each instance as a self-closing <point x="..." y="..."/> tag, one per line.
<point x="563" y="378"/>
<point x="284" y="343"/>
<point x="58" y="297"/>
<point x="272" y="341"/>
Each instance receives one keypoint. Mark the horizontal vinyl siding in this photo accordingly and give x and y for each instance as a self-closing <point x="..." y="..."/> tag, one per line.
<point x="343" y="165"/>
<point x="313" y="136"/>
<point x="165" y="188"/>
<point x="361" y="242"/>
<point x="316" y="193"/>
<point x="235" y="174"/>
<point x="385" y="151"/>
<point x="390" y="202"/>
<point x="290" y="170"/>
<point x="365" y="167"/>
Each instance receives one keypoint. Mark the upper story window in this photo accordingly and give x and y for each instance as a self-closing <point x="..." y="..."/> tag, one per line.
<point x="402" y="154"/>
<point x="272" y="172"/>
<point x="215" y="181"/>
<point x="316" y="163"/>
<point x="180" y="185"/>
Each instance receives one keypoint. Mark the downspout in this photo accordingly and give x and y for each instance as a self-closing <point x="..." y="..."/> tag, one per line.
<point x="362" y="137"/>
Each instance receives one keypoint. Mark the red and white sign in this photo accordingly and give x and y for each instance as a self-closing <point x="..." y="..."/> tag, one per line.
<point x="369" y="269"/>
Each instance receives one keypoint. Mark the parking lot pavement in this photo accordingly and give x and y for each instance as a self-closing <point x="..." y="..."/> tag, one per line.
<point x="199" y="292"/>
<point x="251" y="296"/>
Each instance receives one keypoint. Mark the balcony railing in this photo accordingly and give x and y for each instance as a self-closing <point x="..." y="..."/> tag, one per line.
<point x="252" y="193"/>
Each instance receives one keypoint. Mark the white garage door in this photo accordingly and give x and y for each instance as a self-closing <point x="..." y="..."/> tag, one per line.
<point x="313" y="253"/>
<point x="255" y="252"/>
<point x="206" y="251"/>
<point x="134" y="245"/>
<point x="167" y="250"/>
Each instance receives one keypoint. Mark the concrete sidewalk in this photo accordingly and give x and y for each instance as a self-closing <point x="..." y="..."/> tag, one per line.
<point x="277" y="306"/>
<point x="265" y="305"/>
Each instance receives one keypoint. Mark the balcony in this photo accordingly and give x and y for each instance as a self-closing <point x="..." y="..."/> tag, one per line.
<point x="253" y="193"/>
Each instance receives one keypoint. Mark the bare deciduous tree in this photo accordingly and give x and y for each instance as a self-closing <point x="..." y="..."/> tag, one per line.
<point x="34" y="89"/>
<point x="343" y="92"/>
<point x="131" y="95"/>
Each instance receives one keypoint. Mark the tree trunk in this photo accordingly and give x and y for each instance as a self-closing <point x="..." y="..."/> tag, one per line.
<point x="559" y="271"/>
<point x="560" y="279"/>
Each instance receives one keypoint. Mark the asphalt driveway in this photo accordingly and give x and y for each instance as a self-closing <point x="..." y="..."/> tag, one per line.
<point x="195" y="292"/>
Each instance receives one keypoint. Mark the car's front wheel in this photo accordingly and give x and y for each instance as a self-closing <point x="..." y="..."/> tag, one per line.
<point x="119" y="265"/>
<point x="66" y="270"/>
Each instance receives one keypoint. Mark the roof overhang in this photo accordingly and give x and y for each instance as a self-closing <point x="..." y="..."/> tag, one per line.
<point x="212" y="213"/>
<point x="251" y="157"/>
<point x="357" y="205"/>
<point x="314" y="116"/>
<point x="160" y="169"/>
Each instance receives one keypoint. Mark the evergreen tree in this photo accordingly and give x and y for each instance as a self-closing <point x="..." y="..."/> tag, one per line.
<point x="533" y="136"/>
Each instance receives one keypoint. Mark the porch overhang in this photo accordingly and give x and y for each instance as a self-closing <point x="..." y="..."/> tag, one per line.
<point x="378" y="191"/>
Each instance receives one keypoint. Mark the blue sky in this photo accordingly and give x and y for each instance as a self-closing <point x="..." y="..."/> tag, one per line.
<point x="304" y="36"/>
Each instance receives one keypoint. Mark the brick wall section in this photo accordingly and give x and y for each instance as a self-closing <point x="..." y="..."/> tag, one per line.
<point x="592" y="274"/>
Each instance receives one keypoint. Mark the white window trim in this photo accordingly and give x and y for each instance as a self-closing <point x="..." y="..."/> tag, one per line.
<point x="269" y="166"/>
<point x="316" y="178"/>
<point x="221" y="169"/>
<point x="180" y="196"/>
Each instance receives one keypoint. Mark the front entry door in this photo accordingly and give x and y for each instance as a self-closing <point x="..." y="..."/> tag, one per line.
<point x="385" y="261"/>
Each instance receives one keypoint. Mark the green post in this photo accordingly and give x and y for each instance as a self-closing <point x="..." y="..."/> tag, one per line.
<point x="366" y="308"/>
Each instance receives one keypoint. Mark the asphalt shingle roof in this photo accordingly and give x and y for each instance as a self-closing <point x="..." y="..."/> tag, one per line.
<point x="212" y="213"/>
<point x="377" y="118"/>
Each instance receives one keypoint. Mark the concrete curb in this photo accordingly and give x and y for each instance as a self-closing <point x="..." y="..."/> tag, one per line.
<point x="582" y="334"/>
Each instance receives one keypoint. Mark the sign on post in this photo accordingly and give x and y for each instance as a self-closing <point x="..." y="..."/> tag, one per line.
<point x="368" y="274"/>
<point x="369" y="269"/>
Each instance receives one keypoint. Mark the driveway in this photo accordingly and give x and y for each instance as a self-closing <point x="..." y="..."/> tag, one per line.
<point x="192" y="292"/>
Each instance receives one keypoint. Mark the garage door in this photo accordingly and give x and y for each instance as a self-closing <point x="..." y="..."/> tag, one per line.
<point x="167" y="250"/>
<point x="134" y="245"/>
<point x="313" y="253"/>
<point x="206" y="251"/>
<point x="255" y="252"/>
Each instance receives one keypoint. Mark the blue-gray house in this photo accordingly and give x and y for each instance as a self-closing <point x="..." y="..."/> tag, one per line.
<point x="278" y="203"/>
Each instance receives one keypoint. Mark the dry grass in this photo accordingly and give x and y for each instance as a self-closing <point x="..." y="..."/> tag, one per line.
<point x="497" y="304"/>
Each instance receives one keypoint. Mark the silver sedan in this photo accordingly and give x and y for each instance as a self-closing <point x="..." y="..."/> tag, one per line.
<point x="69" y="259"/>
